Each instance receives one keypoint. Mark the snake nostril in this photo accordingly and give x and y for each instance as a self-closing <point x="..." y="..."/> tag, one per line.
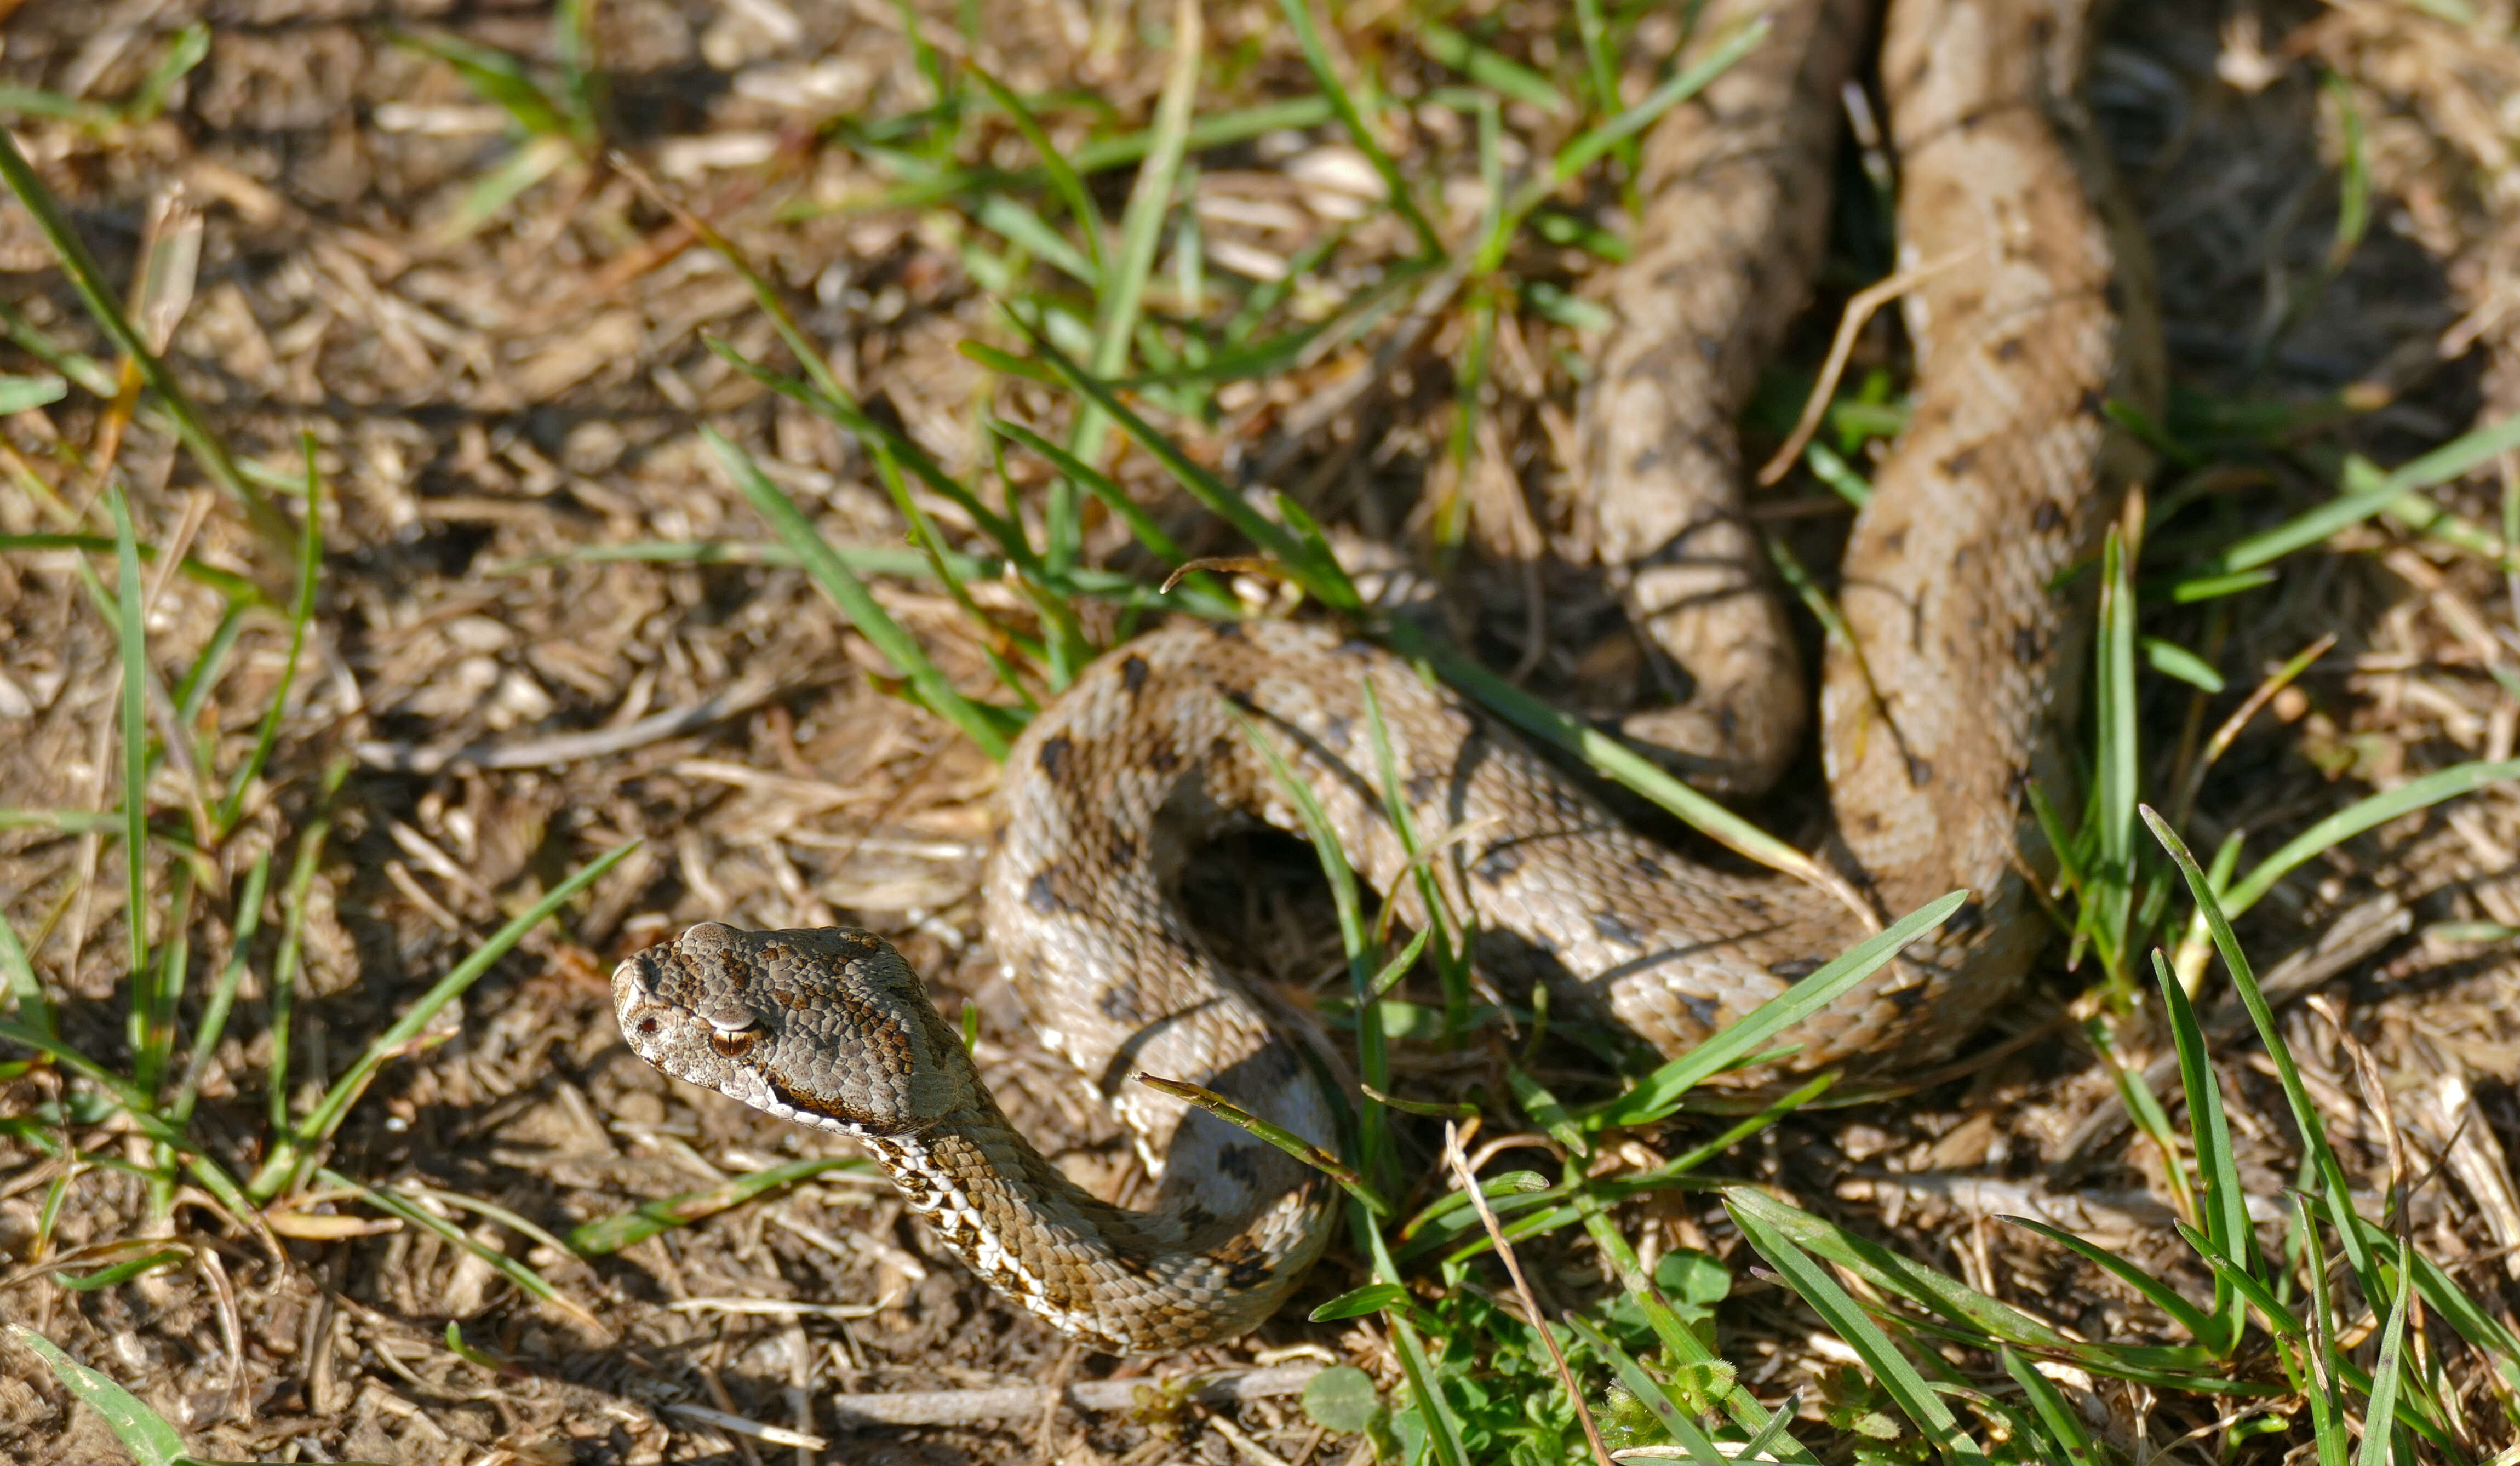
<point x="647" y="1027"/>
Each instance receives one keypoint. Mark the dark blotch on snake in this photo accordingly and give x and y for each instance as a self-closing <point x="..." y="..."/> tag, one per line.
<point x="1612" y="929"/>
<point x="1054" y="752"/>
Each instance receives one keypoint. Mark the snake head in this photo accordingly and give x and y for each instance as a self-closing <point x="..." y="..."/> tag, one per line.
<point x="828" y="1027"/>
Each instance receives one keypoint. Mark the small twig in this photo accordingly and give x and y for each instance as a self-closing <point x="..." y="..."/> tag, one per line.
<point x="1522" y="1286"/>
<point x="569" y="748"/>
<point x="1850" y="325"/>
<point x="775" y="1435"/>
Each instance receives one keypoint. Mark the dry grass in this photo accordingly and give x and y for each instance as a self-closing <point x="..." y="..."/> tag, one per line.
<point x="484" y="404"/>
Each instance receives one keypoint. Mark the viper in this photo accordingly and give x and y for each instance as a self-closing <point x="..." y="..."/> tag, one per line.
<point x="1948" y="697"/>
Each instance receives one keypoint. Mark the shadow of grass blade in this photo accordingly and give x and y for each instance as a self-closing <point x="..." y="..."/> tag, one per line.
<point x="1660" y="1092"/>
<point x="984" y="725"/>
<point x="246" y="921"/>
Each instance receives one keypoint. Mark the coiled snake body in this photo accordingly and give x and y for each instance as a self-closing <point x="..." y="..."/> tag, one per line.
<point x="2003" y="479"/>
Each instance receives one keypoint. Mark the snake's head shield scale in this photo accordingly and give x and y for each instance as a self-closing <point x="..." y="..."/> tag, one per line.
<point x="827" y="1027"/>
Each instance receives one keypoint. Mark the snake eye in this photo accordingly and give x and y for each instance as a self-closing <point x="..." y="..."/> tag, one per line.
<point x="732" y="1043"/>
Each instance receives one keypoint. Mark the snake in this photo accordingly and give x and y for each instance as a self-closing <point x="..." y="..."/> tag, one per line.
<point x="1965" y="609"/>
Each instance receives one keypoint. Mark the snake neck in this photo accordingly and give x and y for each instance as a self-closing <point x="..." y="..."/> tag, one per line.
<point x="1233" y="1228"/>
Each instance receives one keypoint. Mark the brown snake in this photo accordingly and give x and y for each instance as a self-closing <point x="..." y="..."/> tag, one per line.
<point x="2003" y="478"/>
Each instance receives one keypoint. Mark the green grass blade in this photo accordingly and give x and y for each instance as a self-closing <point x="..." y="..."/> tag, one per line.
<point x="235" y="588"/>
<point x="330" y="1111"/>
<point x="2339" y="1198"/>
<point x="1142" y="525"/>
<point x="2170" y="659"/>
<point x="1443" y="1427"/>
<point x="1659" y="1094"/>
<point x="2485" y="1333"/>
<point x="302" y="611"/>
<point x="1299" y="19"/>
<point x="1276" y="1135"/>
<point x="1649" y="1392"/>
<point x="393" y="1202"/>
<point x="1892" y="1273"/>
<point x="2226" y="1206"/>
<point x="33" y="1008"/>
<point x="1028" y="231"/>
<point x="825" y="402"/>
<point x="1325" y="582"/>
<point x="2063" y="1425"/>
<point x="142" y="1431"/>
<point x="1373" y="1065"/>
<point x="98" y="295"/>
<point x="2363" y="814"/>
<point x="848" y="592"/>
<point x="2109" y="896"/>
<point x="135" y="762"/>
<point x="2380" y="1420"/>
<point x="1618" y="762"/>
<point x="1063" y="177"/>
<point x="1065" y="647"/>
<point x="1504" y="74"/>
<point x="1124" y="277"/>
<point x="2368" y="491"/>
<point x="1812" y="1283"/>
<point x="2160" y="1294"/>
<point x="1447" y="928"/>
<point x="605" y="1235"/>
<point x="1579" y="153"/>
<point x="498" y="78"/>
<point x="214" y="1013"/>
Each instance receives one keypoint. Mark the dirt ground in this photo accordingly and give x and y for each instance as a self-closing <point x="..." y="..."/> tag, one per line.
<point x="485" y="404"/>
